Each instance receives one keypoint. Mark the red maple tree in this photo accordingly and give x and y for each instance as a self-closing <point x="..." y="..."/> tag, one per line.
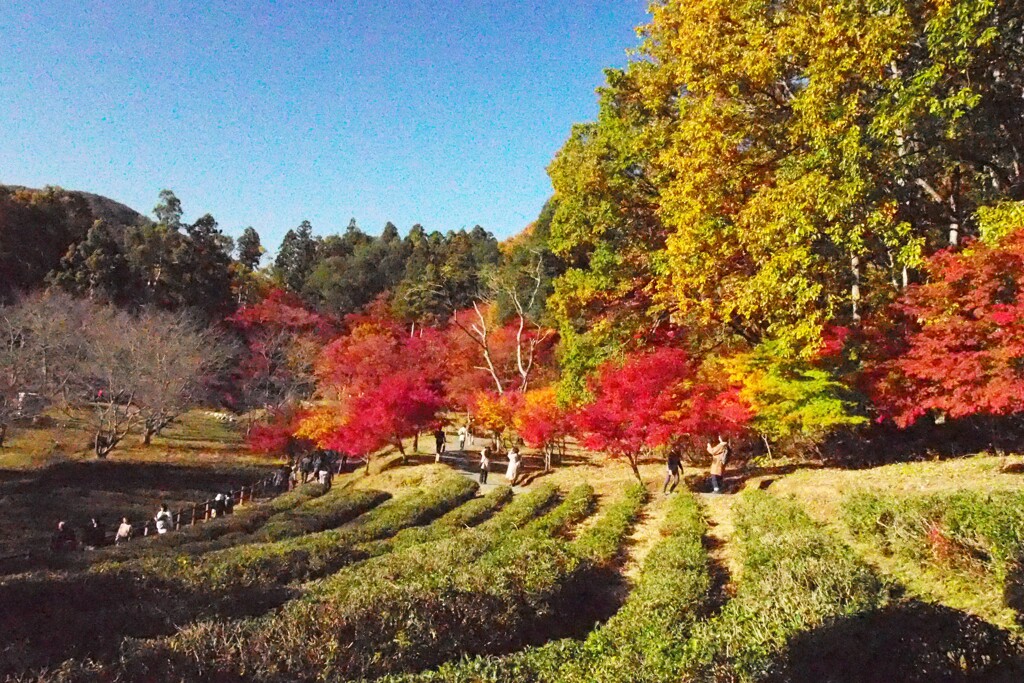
<point x="389" y="385"/>
<point x="652" y="398"/>
<point x="955" y="345"/>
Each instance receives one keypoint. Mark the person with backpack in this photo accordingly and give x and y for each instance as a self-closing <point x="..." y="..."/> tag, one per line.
<point x="719" y="457"/>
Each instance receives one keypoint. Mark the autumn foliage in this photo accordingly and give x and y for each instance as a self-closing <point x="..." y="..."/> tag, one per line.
<point x="956" y="346"/>
<point x="382" y="385"/>
<point x="652" y="398"/>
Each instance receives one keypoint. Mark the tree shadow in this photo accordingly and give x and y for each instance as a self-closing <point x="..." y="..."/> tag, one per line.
<point x="907" y="642"/>
<point x="49" y="619"/>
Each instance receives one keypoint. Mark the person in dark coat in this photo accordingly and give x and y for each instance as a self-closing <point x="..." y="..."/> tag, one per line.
<point x="63" y="539"/>
<point x="94" y="535"/>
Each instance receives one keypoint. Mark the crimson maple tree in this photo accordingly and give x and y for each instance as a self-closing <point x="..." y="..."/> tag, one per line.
<point x="387" y="384"/>
<point x="652" y="398"/>
<point x="956" y="343"/>
<point x="282" y="339"/>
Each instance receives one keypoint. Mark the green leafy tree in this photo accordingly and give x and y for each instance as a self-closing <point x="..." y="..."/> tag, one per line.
<point x="250" y="249"/>
<point x="297" y="257"/>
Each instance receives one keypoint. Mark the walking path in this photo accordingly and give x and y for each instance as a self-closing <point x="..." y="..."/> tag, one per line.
<point x="722" y="552"/>
<point x="646" y="534"/>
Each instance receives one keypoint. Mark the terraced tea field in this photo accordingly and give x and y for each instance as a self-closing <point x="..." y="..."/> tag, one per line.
<point x="411" y="574"/>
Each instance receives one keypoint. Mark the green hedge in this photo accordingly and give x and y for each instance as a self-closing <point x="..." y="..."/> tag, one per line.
<point x="399" y="604"/>
<point x="463" y="517"/>
<point x="797" y="576"/>
<point x="322" y="553"/>
<point x="219" y="532"/>
<point x="644" y="641"/>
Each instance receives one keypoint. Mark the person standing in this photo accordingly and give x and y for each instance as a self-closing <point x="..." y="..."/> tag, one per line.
<point x="462" y="437"/>
<point x="439" y="443"/>
<point x="94" y="535"/>
<point x="675" y="467"/>
<point x="719" y="455"/>
<point x="63" y="540"/>
<point x="485" y="464"/>
<point x="163" y="520"/>
<point x="512" y="473"/>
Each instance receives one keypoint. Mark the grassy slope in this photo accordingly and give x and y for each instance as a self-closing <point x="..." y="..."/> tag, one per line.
<point x="822" y="492"/>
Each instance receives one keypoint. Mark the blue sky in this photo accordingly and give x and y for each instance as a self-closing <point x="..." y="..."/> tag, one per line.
<point x="268" y="113"/>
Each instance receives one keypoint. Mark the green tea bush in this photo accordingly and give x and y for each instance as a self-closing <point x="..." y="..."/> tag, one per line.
<point x="322" y="553"/>
<point x="797" y="576"/>
<point x="463" y="517"/>
<point x="203" y="536"/>
<point x="330" y="510"/>
<point x="422" y="604"/>
<point x="643" y="641"/>
<point x="601" y="543"/>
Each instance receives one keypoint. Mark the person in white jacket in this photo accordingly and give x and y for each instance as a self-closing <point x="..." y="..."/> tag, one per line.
<point x="512" y="473"/>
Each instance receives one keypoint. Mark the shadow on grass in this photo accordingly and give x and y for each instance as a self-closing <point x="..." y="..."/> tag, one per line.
<point x="45" y="621"/>
<point x="908" y="642"/>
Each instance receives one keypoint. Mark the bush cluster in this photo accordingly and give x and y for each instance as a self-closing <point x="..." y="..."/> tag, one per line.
<point x="643" y="641"/>
<point x="412" y="605"/>
<point x="797" y="576"/>
<point x="216" y="533"/>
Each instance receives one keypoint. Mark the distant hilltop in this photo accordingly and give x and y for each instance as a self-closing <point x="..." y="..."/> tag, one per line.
<point x="102" y="208"/>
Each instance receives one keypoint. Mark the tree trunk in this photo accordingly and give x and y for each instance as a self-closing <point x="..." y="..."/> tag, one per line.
<point x="415" y="444"/>
<point x="855" y="289"/>
<point x="636" y="470"/>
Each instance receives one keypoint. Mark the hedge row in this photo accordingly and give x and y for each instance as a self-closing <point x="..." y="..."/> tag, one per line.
<point x="463" y="517"/>
<point x="245" y="520"/>
<point x="319" y="554"/>
<point x="644" y="641"/>
<point x="797" y="576"/>
<point x="409" y="608"/>
<point x="202" y="649"/>
<point x="89" y="613"/>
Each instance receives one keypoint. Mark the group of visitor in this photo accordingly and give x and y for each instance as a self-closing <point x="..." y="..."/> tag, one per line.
<point x="320" y="466"/>
<point x="94" y="534"/>
<point x="515" y="463"/>
<point x="719" y="453"/>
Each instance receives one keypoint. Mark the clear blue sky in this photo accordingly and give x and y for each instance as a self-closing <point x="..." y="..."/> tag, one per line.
<point x="267" y="113"/>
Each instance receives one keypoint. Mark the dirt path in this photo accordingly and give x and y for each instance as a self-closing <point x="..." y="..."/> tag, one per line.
<point x="646" y="534"/>
<point x="722" y="551"/>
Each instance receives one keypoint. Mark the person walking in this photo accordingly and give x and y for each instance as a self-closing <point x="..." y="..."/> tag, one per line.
<point x="462" y="437"/>
<point x="439" y="443"/>
<point x="675" y="468"/>
<point x="163" y="520"/>
<point x="94" y="535"/>
<point x="719" y="456"/>
<point x="485" y="464"/>
<point x="512" y="473"/>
